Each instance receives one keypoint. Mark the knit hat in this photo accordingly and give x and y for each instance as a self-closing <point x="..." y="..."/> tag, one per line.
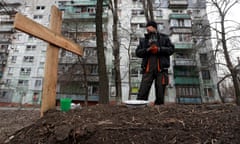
<point x="152" y="23"/>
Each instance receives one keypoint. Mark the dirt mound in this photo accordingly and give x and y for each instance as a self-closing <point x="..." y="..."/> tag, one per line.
<point x="118" y="124"/>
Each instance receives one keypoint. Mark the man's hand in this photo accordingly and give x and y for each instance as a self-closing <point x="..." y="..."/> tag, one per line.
<point x="153" y="49"/>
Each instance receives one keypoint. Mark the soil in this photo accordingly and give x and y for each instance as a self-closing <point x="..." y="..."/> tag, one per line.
<point x="118" y="124"/>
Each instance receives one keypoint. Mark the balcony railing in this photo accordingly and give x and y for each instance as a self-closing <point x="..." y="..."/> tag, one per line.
<point x="183" y="46"/>
<point x="8" y="28"/>
<point x="179" y="16"/>
<point x="177" y="3"/>
<point x="181" y="30"/>
<point x="82" y="15"/>
<point x="187" y="81"/>
<point x="184" y="62"/>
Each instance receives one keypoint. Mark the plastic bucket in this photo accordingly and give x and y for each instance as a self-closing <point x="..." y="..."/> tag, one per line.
<point x="65" y="104"/>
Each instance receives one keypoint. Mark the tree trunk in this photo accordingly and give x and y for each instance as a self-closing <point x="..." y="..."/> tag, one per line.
<point x="145" y="8"/>
<point x="129" y="70"/>
<point x="118" y="83"/>
<point x="236" y="86"/>
<point x="228" y="60"/>
<point x="85" y="81"/>
<point x="150" y="9"/>
<point x="102" y="71"/>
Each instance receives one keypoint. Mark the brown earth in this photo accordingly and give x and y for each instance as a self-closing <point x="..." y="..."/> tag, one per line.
<point x="107" y="124"/>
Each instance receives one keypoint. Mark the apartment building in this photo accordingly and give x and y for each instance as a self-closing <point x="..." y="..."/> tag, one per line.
<point x="192" y="73"/>
<point x="78" y="76"/>
<point x="7" y="12"/>
<point x="24" y="70"/>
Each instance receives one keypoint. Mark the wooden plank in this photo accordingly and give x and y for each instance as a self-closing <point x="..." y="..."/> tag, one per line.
<point x="51" y="65"/>
<point x="29" y="26"/>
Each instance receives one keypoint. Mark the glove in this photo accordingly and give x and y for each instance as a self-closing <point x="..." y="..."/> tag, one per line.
<point x="153" y="49"/>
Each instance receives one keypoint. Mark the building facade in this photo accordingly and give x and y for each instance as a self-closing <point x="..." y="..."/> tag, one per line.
<point x="78" y="76"/>
<point x="192" y="73"/>
<point x="24" y="71"/>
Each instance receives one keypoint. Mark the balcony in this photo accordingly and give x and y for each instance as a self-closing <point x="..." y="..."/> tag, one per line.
<point x="188" y="100"/>
<point x="177" y="30"/>
<point x="187" y="81"/>
<point x="184" y="62"/>
<point x="179" y="16"/>
<point x="7" y="20"/>
<point x="183" y="46"/>
<point x="178" y="4"/>
<point x="208" y="83"/>
<point x="6" y="29"/>
<point x="82" y="16"/>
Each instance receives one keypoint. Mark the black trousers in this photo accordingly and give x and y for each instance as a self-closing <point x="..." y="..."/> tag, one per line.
<point x="160" y="85"/>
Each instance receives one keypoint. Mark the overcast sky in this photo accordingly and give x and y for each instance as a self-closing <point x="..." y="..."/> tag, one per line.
<point x="234" y="14"/>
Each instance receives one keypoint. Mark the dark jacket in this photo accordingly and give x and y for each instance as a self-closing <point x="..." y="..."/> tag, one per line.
<point x="166" y="48"/>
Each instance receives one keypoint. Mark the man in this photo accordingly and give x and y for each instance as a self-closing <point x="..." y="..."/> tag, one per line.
<point x="155" y="50"/>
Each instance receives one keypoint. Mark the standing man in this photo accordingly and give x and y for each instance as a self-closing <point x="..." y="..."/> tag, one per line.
<point x="155" y="50"/>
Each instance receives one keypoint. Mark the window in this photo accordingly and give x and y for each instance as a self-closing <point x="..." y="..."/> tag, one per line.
<point x="187" y="91"/>
<point x="158" y="13"/>
<point x="40" y="7"/>
<point x="180" y="23"/>
<point x="31" y="38"/>
<point x="93" y="69"/>
<point x="134" y="72"/>
<point x="205" y="75"/>
<point x="177" y="11"/>
<point x="160" y="26"/>
<point x="93" y="89"/>
<point x="208" y="92"/>
<point x="8" y="82"/>
<point x="38" y="83"/>
<point x="25" y="71"/>
<point x="185" y="38"/>
<point x="13" y="59"/>
<point x="40" y="71"/>
<point x="37" y="17"/>
<point x="204" y="59"/>
<point x="90" y="52"/>
<point x="137" y="12"/>
<point x="35" y="97"/>
<point x="22" y="82"/>
<point x="30" y="47"/>
<point x="28" y="59"/>
<point x="10" y="71"/>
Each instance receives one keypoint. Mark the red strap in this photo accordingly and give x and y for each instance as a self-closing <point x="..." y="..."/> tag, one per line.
<point x="148" y="65"/>
<point x="159" y="69"/>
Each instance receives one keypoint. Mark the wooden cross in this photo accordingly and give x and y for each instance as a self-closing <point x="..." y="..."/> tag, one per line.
<point x="56" y="40"/>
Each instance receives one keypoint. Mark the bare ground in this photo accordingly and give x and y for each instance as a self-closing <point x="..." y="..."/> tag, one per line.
<point x="168" y="124"/>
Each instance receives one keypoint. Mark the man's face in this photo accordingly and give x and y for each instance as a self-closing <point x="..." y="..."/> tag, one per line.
<point x="151" y="29"/>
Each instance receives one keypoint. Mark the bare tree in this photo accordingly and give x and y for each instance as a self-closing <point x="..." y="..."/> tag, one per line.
<point x="148" y="9"/>
<point x="116" y="53"/>
<point x="225" y="35"/>
<point x="102" y="70"/>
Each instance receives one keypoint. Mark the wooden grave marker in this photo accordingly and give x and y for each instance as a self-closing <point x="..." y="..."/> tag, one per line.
<point x="53" y="36"/>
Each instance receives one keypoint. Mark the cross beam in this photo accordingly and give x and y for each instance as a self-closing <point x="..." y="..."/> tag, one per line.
<point x="56" y="40"/>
